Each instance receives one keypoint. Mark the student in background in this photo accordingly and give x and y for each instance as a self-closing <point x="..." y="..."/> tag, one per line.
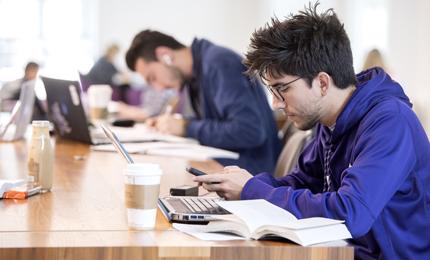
<point x="152" y="103"/>
<point x="231" y="112"/>
<point x="369" y="162"/>
<point x="374" y="59"/>
<point x="104" y="71"/>
<point x="11" y="91"/>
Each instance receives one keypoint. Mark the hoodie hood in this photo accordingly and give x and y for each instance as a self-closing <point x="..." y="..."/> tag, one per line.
<point x="374" y="85"/>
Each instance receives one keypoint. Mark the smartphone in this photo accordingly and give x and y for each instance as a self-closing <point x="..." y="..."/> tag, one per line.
<point x="194" y="171"/>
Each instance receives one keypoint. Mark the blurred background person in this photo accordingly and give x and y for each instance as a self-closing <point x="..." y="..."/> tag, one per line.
<point x="374" y="59"/>
<point x="11" y="91"/>
<point x="151" y="102"/>
<point x="137" y="101"/>
<point x="230" y="110"/>
<point x="104" y="71"/>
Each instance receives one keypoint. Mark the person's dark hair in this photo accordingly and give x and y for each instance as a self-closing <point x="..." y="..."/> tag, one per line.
<point x="144" y="45"/>
<point x="31" y="65"/>
<point x="304" y="45"/>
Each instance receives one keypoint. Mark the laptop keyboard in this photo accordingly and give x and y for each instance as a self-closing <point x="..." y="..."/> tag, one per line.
<point x="197" y="205"/>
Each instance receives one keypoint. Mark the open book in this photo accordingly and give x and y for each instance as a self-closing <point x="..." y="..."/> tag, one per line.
<point x="257" y="219"/>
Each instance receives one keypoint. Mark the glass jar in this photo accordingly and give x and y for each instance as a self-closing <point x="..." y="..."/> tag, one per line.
<point x="41" y="156"/>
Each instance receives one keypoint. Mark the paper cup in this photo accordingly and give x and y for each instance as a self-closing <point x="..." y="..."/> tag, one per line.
<point x="98" y="100"/>
<point x="142" y="188"/>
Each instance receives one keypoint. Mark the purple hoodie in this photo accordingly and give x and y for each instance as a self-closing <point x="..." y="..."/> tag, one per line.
<point x="373" y="171"/>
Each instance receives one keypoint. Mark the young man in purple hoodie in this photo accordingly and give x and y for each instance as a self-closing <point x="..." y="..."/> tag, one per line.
<point x="369" y="162"/>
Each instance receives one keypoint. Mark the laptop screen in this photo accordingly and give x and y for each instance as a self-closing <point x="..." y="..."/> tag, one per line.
<point x="65" y="109"/>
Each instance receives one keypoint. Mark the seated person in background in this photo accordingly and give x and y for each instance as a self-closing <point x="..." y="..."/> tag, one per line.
<point x="152" y="103"/>
<point x="369" y="162"/>
<point x="104" y="71"/>
<point x="374" y="59"/>
<point x="231" y="112"/>
<point x="143" y="101"/>
<point x="11" y="91"/>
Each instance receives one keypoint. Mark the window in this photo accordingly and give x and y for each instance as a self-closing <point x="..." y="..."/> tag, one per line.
<point x="59" y="34"/>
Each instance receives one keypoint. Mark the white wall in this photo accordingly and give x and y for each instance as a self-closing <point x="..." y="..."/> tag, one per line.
<point x="409" y="52"/>
<point x="226" y="22"/>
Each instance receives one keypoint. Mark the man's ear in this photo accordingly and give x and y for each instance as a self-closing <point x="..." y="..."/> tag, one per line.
<point x="324" y="81"/>
<point x="164" y="55"/>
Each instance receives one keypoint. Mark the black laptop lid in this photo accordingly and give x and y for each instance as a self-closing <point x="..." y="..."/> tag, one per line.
<point x="65" y="109"/>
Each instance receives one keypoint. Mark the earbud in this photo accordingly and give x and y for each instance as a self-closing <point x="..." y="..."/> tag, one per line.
<point x="167" y="59"/>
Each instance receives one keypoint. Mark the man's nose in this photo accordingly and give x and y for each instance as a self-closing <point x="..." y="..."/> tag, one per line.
<point x="277" y="103"/>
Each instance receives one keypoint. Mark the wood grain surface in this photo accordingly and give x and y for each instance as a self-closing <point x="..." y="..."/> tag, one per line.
<point x="84" y="216"/>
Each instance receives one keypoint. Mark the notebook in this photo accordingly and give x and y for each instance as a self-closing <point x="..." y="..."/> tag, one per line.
<point x="183" y="209"/>
<point x="66" y="112"/>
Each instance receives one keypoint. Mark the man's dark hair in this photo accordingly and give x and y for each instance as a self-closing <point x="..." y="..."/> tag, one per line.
<point x="303" y="45"/>
<point x="144" y="45"/>
<point x="31" y="65"/>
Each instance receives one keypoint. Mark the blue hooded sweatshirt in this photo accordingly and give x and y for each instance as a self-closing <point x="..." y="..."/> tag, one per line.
<point x="372" y="170"/>
<point x="233" y="112"/>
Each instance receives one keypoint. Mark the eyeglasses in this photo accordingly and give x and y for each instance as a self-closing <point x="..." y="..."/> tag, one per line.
<point x="277" y="89"/>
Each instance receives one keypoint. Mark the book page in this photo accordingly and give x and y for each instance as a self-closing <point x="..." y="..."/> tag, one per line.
<point x="199" y="231"/>
<point x="257" y="213"/>
<point x="226" y="227"/>
<point x="315" y="222"/>
<point x="266" y="214"/>
<point x="310" y="236"/>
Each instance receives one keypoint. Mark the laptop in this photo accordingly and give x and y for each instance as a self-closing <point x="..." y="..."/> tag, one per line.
<point x="66" y="112"/>
<point x="197" y="210"/>
<point x="183" y="209"/>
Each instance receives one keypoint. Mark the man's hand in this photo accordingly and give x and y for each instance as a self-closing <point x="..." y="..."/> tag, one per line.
<point x="169" y="124"/>
<point x="227" y="184"/>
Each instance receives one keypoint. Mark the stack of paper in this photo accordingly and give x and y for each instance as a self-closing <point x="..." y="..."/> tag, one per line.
<point x="186" y="150"/>
<point x="141" y="133"/>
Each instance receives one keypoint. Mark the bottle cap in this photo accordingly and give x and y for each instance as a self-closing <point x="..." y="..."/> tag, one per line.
<point x="40" y="123"/>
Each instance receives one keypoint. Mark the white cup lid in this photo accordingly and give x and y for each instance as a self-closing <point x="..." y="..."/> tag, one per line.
<point x="145" y="169"/>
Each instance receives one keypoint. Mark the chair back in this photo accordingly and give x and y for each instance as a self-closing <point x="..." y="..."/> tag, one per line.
<point x="286" y="131"/>
<point x="291" y="151"/>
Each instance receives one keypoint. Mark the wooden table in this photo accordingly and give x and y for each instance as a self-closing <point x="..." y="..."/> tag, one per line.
<point x="84" y="216"/>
